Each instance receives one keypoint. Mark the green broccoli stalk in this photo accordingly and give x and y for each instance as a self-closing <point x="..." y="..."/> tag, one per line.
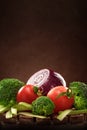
<point x="8" y="90"/>
<point x="79" y="89"/>
<point x="42" y="106"/>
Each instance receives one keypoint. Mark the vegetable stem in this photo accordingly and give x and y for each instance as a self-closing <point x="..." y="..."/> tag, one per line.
<point x="75" y="112"/>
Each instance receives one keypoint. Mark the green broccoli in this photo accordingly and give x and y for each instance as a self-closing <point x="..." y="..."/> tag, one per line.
<point x="42" y="106"/>
<point x="8" y="90"/>
<point x="79" y="89"/>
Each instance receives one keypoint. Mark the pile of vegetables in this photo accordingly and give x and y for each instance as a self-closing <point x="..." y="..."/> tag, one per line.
<point x="39" y="98"/>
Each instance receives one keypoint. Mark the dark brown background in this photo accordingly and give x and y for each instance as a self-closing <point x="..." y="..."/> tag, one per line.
<point x="43" y="34"/>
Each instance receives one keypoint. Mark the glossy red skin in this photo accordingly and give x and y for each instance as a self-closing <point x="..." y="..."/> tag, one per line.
<point x="26" y="94"/>
<point x="63" y="102"/>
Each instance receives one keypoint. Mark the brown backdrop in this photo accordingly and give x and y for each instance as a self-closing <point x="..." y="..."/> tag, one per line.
<point x="43" y="34"/>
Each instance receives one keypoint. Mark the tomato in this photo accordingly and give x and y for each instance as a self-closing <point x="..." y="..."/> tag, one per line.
<point x="26" y="94"/>
<point x="63" y="101"/>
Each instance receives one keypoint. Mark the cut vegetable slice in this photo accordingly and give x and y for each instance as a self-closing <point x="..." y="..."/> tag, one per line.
<point x="23" y="106"/>
<point x="63" y="114"/>
<point x="14" y="111"/>
<point x="46" y="79"/>
<point x="31" y="115"/>
<point x="8" y="114"/>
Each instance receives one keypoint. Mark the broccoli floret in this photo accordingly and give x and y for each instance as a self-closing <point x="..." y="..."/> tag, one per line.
<point x="79" y="89"/>
<point x="42" y="106"/>
<point x="8" y="90"/>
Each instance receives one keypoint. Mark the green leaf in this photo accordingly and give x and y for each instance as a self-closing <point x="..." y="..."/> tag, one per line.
<point x="61" y="94"/>
<point x="35" y="89"/>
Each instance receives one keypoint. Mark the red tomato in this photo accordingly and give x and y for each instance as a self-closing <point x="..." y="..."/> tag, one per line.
<point x="63" y="101"/>
<point x="26" y="94"/>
